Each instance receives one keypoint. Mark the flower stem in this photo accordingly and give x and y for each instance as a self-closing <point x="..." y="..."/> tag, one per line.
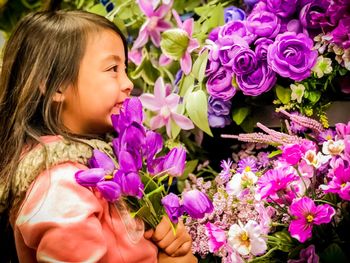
<point x="257" y="259"/>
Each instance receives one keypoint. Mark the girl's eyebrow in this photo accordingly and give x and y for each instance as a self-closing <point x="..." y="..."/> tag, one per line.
<point x="112" y="58"/>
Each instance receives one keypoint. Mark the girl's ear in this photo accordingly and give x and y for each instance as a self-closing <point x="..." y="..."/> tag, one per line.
<point x="58" y="96"/>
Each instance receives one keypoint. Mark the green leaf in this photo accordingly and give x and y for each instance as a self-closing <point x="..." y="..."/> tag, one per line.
<point x="200" y="65"/>
<point x="239" y="114"/>
<point x="98" y="9"/>
<point x="146" y="71"/>
<point x="187" y="85"/>
<point x="175" y="129"/>
<point x="283" y="94"/>
<point x="333" y="253"/>
<point x="189" y="168"/>
<point x="314" y="96"/>
<point x="274" y="153"/>
<point x="217" y="17"/>
<point x="197" y="109"/>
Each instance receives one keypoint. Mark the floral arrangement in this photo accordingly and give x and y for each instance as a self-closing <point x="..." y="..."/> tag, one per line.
<point x="137" y="172"/>
<point x="291" y="206"/>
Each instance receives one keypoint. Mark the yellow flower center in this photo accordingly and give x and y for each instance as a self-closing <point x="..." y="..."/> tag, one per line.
<point x="328" y="137"/>
<point x="244" y="236"/>
<point x="247" y="169"/>
<point x="109" y="177"/>
<point x="244" y="239"/>
<point x="343" y="185"/>
<point x="309" y="218"/>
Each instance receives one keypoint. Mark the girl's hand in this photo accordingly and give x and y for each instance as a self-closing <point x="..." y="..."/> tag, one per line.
<point x="188" y="258"/>
<point x="173" y="245"/>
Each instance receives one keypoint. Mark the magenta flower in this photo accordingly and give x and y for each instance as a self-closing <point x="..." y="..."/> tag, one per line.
<point x="340" y="183"/>
<point x="217" y="237"/>
<point x="306" y="215"/>
<point x="307" y="255"/>
<point x="197" y="203"/>
<point x="165" y="105"/>
<point x="154" y="25"/>
<point x="292" y="153"/>
<point x="275" y="181"/>
<point x="174" y="161"/>
<point x="173" y="208"/>
<point x="186" y="27"/>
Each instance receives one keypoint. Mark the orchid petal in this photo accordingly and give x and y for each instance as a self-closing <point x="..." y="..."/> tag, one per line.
<point x="142" y="39"/>
<point x="149" y="101"/>
<point x="155" y="37"/>
<point x="177" y="18"/>
<point x="163" y="25"/>
<point x="146" y="7"/>
<point x="183" y="122"/>
<point x="157" y="122"/>
<point x="160" y="91"/>
<point x="172" y="101"/>
<point x="162" y="10"/>
<point x="186" y="63"/>
<point x="192" y="45"/>
<point x="188" y="26"/>
<point x="164" y="60"/>
<point x="135" y="55"/>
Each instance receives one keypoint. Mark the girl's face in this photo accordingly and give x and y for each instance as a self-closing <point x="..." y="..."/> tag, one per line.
<point x="102" y="86"/>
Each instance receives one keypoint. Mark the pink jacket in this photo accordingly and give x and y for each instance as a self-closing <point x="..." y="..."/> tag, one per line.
<point x="62" y="221"/>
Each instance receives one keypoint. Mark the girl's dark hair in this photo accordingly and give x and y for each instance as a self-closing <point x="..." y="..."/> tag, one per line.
<point x="41" y="57"/>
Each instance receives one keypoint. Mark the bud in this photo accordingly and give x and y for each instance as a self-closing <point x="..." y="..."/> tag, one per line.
<point x="174" y="43"/>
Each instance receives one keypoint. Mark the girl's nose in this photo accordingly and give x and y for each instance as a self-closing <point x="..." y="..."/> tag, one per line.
<point x="127" y="85"/>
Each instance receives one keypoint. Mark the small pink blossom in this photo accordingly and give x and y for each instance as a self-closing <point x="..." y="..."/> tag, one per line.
<point x="340" y="183"/>
<point x="217" y="237"/>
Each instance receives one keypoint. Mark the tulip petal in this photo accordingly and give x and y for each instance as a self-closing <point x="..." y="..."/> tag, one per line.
<point x="101" y="160"/>
<point x="90" y="177"/>
<point x="110" y="190"/>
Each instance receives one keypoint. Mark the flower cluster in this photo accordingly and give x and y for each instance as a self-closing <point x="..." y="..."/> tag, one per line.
<point x="137" y="172"/>
<point x="291" y="203"/>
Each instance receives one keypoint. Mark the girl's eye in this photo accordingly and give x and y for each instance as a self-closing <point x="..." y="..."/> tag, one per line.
<point x="114" y="68"/>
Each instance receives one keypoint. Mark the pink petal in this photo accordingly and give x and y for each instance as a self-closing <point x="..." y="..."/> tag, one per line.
<point x="177" y="18"/>
<point x="168" y="128"/>
<point x="302" y="206"/>
<point x="141" y="39"/>
<point x="324" y="214"/>
<point x="164" y="60"/>
<point x="188" y="26"/>
<point x="163" y="25"/>
<point x="150" y="102"/>
<point x="183" y="122"/>
<point x="163" y="10"/>
<point x="146" y="7"/>
<point x="157" y="122"/>
<point x="300" y="230"/>
<point x="160" y="91"/>
<point x="172" y="101"/>
<point x="135" y="55"/>
<point x="186" y="63"/>
<point x="192" y="45"/>
<point x="155" y="37"/>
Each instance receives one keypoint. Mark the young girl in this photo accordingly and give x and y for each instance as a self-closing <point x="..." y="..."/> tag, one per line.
<point x="63" y="75"/>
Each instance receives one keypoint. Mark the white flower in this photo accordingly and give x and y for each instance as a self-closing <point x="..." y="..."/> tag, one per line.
<point x="316" y="160"/>
<point x="333" y="147"/>
<point x="323" y="66"/>
<point x="247" y="239"/>
<point x="297" y="92"/>
<point x="240" y="182"/>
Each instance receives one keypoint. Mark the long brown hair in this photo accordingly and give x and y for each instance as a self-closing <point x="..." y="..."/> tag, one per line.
<point x="41" y="57"/>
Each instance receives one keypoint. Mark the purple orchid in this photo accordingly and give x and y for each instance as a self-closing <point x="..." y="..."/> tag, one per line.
<point x="197" y="203"/>
<point x="173" y="208"/>
<point x="165" y="105"/>
<point x="186" y="28"/>
<point x="306" y="215"/>
<point x="154" y="25"/>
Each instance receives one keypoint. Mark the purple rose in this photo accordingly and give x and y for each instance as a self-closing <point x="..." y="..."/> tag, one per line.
<point x="261" y="46"/>
<point x="341" y="34"/>
<point x="261" y="80"/>
<point x="174" y="210"/>
<point x="229" y="51"/>
<point x="244" y="61"/>
<point x="282" y="8"/>
<point x="219" y="112"/>
<point x="291" y="55"/>
<point x="250" y="2"/>
<point x="212" y="67"/>
<point x="197" y="204"/>
<point x="233" y="13"/>
<point x="219" y="84"/>
<point x="213" y="35"/>
<point x="235" y="28"/>
<point x="263" y="24"/>
<point x="312" y="9"/>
